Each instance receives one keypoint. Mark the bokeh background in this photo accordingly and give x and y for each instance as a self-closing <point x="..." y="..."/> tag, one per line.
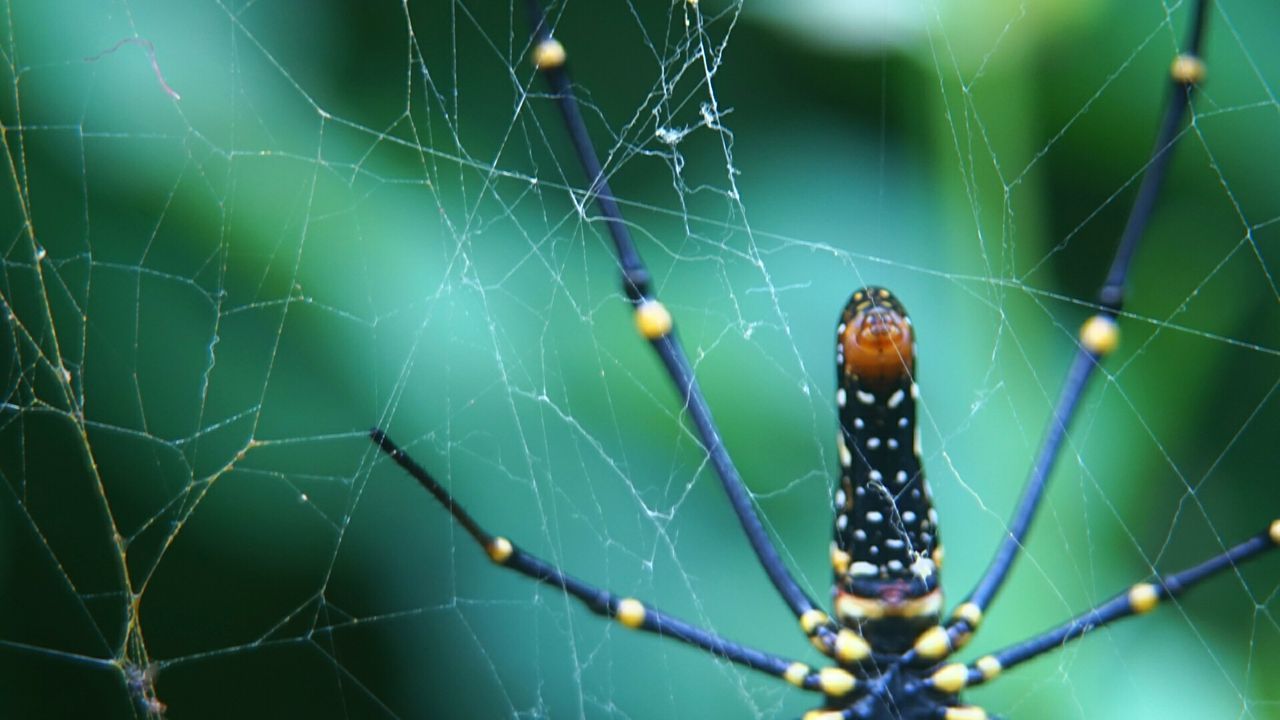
<point x="334" y="215"/>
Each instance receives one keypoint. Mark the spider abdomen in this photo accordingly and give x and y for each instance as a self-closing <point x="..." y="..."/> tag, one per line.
<point x="886" y="548"/>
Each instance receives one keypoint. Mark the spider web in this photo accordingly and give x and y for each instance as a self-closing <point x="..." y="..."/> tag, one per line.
<point x="242" y="233"/>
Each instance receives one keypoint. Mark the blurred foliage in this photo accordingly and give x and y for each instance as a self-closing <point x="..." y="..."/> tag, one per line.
<point x="365" y="214"/>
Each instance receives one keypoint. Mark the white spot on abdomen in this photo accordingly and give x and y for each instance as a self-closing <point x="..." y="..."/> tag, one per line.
<point x="862" y="568"/>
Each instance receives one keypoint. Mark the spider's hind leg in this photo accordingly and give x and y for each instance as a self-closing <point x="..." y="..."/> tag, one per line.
<point x="1137" y="600"/>
<point x="630" y="612"/>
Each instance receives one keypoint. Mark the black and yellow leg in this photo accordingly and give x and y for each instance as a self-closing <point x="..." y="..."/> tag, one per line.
<point x="1139" y="599"/>
<point x="654" y="322"/>
<point x="1099" y="336"/>
<point x="628" y="611"/>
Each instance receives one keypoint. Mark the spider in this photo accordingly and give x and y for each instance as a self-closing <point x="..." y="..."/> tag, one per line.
<point x="887" y="642"/>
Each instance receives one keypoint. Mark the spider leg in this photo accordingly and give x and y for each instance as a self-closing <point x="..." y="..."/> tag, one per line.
<point x="629" y="612"/>
<point x="1139" y="599"/>
<point x="654" y="322"/>
<point x="1097" y="338"/>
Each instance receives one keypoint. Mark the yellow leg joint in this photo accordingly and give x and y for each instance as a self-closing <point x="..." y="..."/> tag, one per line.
<point x="548" y="54"/>
<point x="990" y="667"/>
<point x="970" y="613"/>
<point x="499" y="549"/>
<point x="933" y="643"/>
<point x="631" y="612"/>
<point x="824" y="715"/>
<point x="1143" y="597"/>
<point x="951" y="678"/>
<point x="812" y="620"/>
<point x="653" y="319"/>
<point x="1100" y="335"/>
<point x="1187" y="70"/>
<point x="1274" y="531"/>
<point x="851" y="647"/>
<point x="796" y="673"/>
<point x="836" y="682"/>
<point x="966" y="712"/>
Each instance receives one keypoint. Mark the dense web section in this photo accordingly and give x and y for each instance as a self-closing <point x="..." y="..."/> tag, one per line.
<point x="239" y="233"/>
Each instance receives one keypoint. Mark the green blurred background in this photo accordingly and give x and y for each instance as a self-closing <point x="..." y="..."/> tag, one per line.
<point x="364" y="214"/>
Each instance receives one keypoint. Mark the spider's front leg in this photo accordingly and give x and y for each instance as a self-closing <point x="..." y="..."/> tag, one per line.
<point x="1098" y="337"/>
<point x="655" y="324"/>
